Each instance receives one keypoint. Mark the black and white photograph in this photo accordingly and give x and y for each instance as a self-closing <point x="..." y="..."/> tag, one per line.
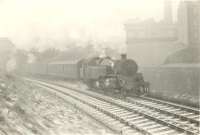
<point x="99" y="67"/>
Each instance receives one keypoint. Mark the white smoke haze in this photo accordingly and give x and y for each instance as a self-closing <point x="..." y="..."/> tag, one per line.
<point x="59" y="23"/>
<point x="31" y="58"/>
<point x="11" y="65"/>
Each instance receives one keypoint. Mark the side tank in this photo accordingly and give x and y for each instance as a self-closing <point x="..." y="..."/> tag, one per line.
<point x="90" y="69"/>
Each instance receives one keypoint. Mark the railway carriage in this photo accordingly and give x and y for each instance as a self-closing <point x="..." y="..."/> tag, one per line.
<point x="65" y="69"/>
<point x="37" y="68"/>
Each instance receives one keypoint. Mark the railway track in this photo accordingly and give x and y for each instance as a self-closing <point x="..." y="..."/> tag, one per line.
<point x="191" y="115"/>
<point x="130" y="117"/>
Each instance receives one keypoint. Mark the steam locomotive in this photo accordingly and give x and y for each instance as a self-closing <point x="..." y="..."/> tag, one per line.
<point x="116" y="76"/>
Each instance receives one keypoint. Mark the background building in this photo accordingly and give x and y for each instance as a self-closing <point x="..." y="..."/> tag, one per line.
<point x="150" y="43"/>
<point x="189" y="22"/>
<point x="168" y="11"/>
<point x="189" y="33"/>
<point x="175" y="47"/>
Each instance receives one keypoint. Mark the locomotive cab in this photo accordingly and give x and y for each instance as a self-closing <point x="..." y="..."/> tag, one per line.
<point x="98" y="72"/>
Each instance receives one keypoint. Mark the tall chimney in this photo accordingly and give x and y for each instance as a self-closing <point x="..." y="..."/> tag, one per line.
<point x="168" y="11"/>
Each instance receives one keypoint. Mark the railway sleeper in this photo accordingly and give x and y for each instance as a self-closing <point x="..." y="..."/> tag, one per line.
<point x="114" y="109"/>
<point x="195" y="117"/>
<point x="130" y="116"/>
<point x="135" y="118"/>
<point x="168" y="132"/>
<point x="188" y="114"/>
<point x="138" y="122"/>
<point x="142" y="130"/>
<point x="158" y="129"/>
<point x="130" y="132"/>
<point x="152" y="126"/>
<point x="125" y="114"/>
<point x="120" y="114"/>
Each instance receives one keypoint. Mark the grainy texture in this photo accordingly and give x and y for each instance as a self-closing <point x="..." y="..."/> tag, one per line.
<point x="27" y="109"/>
<point x="176" y="82"/>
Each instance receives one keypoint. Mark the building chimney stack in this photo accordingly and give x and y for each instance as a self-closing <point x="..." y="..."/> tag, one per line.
<point x="168" y="11"/>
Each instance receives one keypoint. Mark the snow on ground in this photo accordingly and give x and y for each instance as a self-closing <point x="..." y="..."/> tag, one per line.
<point x="29" y="110"/>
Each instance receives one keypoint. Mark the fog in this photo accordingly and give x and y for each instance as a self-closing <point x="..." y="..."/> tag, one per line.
<point x="59" y="23"/>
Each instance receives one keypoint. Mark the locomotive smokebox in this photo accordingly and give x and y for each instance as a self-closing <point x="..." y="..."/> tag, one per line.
<point x="123" y="56"/>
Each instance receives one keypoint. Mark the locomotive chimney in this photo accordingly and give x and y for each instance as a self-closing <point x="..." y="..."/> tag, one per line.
<point x="123" y="56"/>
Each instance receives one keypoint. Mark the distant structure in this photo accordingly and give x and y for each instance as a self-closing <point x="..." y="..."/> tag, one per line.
<point x="189" y="33"/>
<point x="150" y="42"/>
<point x="6" y="49"/>
<point x="168" y="11"/>
<point x="189" y="22"/>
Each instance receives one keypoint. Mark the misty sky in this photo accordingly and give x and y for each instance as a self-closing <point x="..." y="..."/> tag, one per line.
<point x="46" y="23"/>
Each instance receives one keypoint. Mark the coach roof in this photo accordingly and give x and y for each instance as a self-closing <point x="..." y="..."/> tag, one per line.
<point x="65" y="62"/>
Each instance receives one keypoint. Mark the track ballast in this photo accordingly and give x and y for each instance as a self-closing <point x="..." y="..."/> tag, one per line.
<point x="137" y="116"/>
